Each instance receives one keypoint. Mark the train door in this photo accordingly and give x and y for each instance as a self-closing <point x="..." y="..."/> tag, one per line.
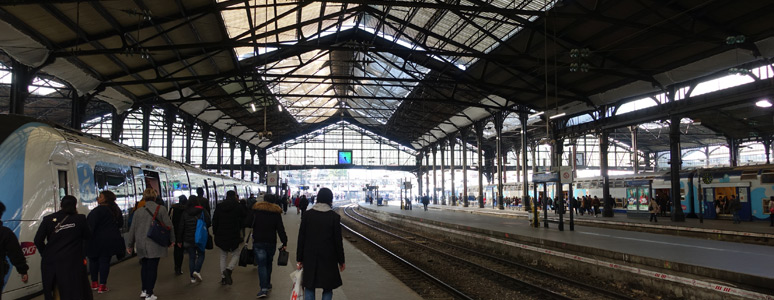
<point x="62" y="182"/>
<point x="745" y="212"/>
<point x="709" y="203"/>
<point x="139" y="183"/>
<point x="166" y="188"/>
<point x="153" y="181"/>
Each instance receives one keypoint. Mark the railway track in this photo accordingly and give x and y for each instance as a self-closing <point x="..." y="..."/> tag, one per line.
<point x="480" y="275"/>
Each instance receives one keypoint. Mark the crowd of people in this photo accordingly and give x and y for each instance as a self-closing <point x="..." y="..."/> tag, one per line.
<point x="76" y="249"/>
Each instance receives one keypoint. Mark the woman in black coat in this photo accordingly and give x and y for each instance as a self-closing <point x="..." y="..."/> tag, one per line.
<point x="186" y="237"/>
<point x="105" y="222"/>
<point x="60" y="241"/>
<point x="227" y="227"/>
<point x="320" y="247"/>
<point x="176" y="214"/>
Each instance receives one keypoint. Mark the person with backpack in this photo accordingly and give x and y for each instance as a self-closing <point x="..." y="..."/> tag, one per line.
<point x="227" y="227"/>
<point x="176" y="213"/>
<point x="149" y="251"/>
<point x="105" y="223"/>
<point x="9" y="246"/>
<point x="195" y="218"/>
<point x="266" y="221"/>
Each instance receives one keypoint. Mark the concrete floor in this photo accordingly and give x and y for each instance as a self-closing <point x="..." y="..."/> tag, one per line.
<point x="363" y="278"/>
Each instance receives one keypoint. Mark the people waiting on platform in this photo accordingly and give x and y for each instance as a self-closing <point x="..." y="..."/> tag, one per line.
<point x="653" y="209"/>
<point x="735" y="206"/>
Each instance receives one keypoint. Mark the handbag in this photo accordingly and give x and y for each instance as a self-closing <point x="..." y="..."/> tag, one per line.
<point x="158" y="232"/>
<point x="247" y="256"/>
<point x="120" y="250"/>
<point x="202" y="233"/>
<point x="282" y="258"/>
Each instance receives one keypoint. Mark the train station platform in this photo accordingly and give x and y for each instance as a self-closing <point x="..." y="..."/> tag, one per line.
<point x="676" y="258"/>
<point x="363" y="278"/>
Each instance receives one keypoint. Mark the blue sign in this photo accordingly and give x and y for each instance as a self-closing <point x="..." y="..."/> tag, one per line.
<point x="547" y="177"/>
<point x="637" y="182"/>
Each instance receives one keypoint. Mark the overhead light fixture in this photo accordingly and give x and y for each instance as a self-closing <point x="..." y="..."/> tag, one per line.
<point x="765" y="103"/>
<point x="280" y="107"/>
<point x="536" y="114"/>
<point x="557" y="116"/>
<point x="253" y="106"/>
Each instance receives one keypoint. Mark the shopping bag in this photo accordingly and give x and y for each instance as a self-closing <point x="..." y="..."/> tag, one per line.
<point x="282" y="258"/>
<point x="247" y="256"/>
<point x="297" y="292"/>
<point x="201" y="236"/>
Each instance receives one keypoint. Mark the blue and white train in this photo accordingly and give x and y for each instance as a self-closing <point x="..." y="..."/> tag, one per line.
<point x="704" y="192"/>
<point x="40" y="163"/>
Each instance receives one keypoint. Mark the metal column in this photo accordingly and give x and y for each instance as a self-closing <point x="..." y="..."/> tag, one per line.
<point x="117" y="125"/>
<point x="146" y="111"/>
<point x="21" y="77"/>
<point x="675" y="157"/>
<point x="607" y="202"/>
<point x="443" y="175"/>
<point x="464" y="137"/>
<point x="219" y="144"/>
<point x="452" y="141"/>
<point x="499" y="118"/>
<point x="479" y="127"/>
<point x="525" y="187"/>
<point x="435" y="179"/>
<point x="188" y="134"/>
<point x="170" y="118"/>
<point x="205" y="137"/>
<point x="635" y="155"/>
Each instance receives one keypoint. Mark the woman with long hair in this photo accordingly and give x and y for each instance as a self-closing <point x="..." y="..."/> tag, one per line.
<point x="59" y="240"/>
<point x="149" y="252"/>
<point x="105" y="223"/>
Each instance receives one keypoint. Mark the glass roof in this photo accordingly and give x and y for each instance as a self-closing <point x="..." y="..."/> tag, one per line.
<point x="315" y="85"/>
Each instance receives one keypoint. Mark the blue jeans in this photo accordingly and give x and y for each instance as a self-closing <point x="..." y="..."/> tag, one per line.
<point x="736" y="217"/>
<point x="326" y="295"/>
<point x="195" y="260"/>
<point x="264" y="255"/>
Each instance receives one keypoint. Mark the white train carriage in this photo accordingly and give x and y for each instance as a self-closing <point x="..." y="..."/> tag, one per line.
<point x="40" y="163"/>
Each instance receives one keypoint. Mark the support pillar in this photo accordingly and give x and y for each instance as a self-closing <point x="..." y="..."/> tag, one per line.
<point x="188" y="134"/>
<point x="252" y="163"/>
<point x="243" y="147"/>
<point x="464" y="136"/>
<point x="499" y="118"/>
<point x="435" y="179"/>
<point x="78" y="110"/>
<point x="420" y="172"/>
<point x="452" y="141"/>
<point x="427" y="175"/>
<point x="219" y="143"/>
<point x="262" y="165"/>
<point x="733" y="151"/>
<point x="146" y="112"/>
<point x="607" y="202"/>
<point x="169" y="118"/>
<point x="635" y="156"/>
<point x="766" y="148"/>
<point x="479" y="127"/>
<point x="205" y="136"/>
<point x="525" y="186"/>
<point x="118" y="125"/>
<point x="559" y="195"/>
<point x="675" y="157"/>
<point x="21" y="78"/>
<point x="443" y="174"/>
<point x="232" y="147"/>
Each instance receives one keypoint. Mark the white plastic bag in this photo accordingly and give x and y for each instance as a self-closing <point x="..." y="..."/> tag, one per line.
<point x="297" y="292"/>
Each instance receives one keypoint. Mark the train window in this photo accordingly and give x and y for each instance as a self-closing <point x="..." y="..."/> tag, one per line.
<point x="767" y="176"/>
<point x="62" y="174"/>
<point x="747" y="175"/>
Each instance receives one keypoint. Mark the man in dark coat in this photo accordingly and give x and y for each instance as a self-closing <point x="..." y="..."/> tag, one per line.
<point x="9" y="246"/>
<point x="176" y="213"/>
<point x="266" y="220"/>
<point x="60" y="240"/>
<point x="320" y="247"/>
<point x="227" y="227"/>
<point x="425" y="201"/>
<point x="303" y="204"/>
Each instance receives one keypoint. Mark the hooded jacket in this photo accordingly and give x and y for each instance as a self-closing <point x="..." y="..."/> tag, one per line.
<point x="187" y="232"/>
<point x="266" y="221"/>
<point x="227" y="224"/>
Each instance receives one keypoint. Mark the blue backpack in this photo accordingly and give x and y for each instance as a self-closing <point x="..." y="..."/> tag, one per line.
<point x="201" y="233"/>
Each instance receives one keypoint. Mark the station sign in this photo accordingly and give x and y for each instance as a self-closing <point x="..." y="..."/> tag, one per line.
<point x="272" y="179"/>
<point x="565" y="175"/>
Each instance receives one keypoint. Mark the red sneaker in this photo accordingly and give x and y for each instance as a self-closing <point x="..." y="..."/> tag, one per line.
<point x="94" y="285"/>
<point x="103" y="288"/>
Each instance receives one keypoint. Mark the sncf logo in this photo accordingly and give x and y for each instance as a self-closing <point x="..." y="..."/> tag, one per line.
<point x="28" y="248"/>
